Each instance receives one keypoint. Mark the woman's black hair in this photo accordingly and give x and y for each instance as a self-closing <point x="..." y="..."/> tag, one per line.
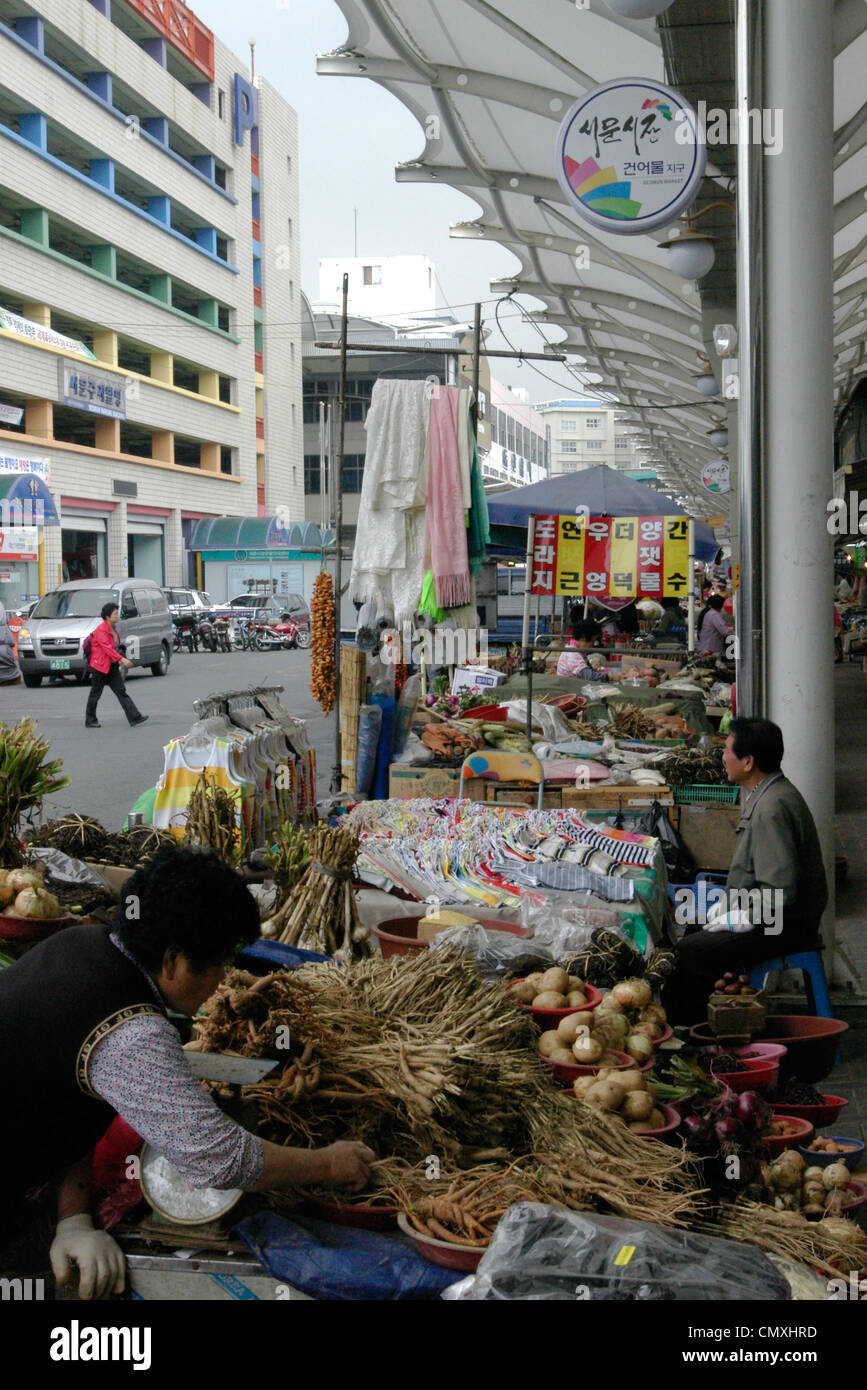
<point x="584" y="631"/>
<point x="715" y="601"/>
<point x="106" y="611"/>
<point x="627" y="620"/>
<point x="188" y="900"/>
<point x="759" y="739"/>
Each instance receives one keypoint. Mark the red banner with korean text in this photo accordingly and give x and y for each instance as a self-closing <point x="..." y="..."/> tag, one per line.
<point x="611" y="557"/>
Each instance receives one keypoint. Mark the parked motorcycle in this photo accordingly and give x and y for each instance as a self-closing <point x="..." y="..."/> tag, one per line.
<point x="280" y="636"/>
<point x="186" y="634"/>
<point x="240" y="634"/>
<point x="214" y="632"/>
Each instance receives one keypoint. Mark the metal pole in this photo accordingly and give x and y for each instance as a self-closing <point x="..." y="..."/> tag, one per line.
<point x="477" y="352"/>
<point x="691" y="572"/>
<point x="337" y="466"/>
<point x="752" y="169"/>
<point x="798" y="299"/>
<point x="323" y="487"/>
<point x="526" y="650"/>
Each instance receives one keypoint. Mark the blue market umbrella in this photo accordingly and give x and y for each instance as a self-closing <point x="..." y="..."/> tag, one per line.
<point x="604" y="492"/>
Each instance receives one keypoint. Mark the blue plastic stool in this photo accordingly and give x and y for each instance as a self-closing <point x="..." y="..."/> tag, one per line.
<point x="813" y="971"/>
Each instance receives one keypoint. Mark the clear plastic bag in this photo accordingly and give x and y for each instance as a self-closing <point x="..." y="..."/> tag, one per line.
<point x="497" y="954"/>
<point x="540" y="1252"/>
<point x="62" y="868"/>
<point x="414" y="753"/>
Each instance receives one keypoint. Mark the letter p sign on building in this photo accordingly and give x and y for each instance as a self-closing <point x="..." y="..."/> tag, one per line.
<point x="246" y="107"/>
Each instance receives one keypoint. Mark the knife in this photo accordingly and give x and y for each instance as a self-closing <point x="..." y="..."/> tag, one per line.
<point x="233" y="1071"/>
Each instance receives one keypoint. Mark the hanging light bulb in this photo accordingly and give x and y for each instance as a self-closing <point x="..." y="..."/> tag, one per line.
<point x="707" y="384"/>
<point x="690" y="255"/>
<point x="639" y="9"/>
<point x="719" y="437"/>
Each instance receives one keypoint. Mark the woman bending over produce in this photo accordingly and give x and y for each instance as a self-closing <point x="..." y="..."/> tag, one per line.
<point x="106" y="1045"/>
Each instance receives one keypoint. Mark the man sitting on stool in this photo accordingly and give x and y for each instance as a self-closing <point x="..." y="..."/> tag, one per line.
<point x="777" y="852"/>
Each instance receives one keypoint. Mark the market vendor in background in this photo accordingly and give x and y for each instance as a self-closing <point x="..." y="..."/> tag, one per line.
<point x="712" y="630"/>
<point x="574" y="661"/>
<point x="671" y="625"/>
<point x="73" y="1056"/>
<point x="776" y="850"/>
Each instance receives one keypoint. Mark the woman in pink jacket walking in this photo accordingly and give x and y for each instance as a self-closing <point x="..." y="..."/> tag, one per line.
<point x="105" y="662"/>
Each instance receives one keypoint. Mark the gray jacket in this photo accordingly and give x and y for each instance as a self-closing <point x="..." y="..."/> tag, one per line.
<point x="777" y="846"/>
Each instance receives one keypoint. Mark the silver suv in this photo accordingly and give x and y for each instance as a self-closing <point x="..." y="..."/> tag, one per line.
<point x="51" y="641"/>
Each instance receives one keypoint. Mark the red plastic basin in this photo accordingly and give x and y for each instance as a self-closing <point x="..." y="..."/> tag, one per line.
<point x="818" y="1115"/>
<point x="398" y="936"/>
<point x="811" y="1043"/>
<point x="801" y="1133"/>
<point x="856" y="1196"/>
<point x="760" y="1074"/>
<point x="442" y="1252"/>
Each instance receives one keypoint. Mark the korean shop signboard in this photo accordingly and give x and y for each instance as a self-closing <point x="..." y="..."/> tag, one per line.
<point x="92" y="389"/>
<point x="619" y="557"/>
<point x="630" y="156"/>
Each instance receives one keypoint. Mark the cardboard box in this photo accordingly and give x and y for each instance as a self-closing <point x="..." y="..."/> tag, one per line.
<point x="114" y="876"/>
<point x="708" y="832"/>
<point x="476" y="678"/>
<point x="524" y="794"/>
<point x="435" y="782"/>
<point x="625" y="798"/>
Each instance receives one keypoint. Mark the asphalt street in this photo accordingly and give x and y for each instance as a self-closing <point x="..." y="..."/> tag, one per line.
<point x="111" y="766"/>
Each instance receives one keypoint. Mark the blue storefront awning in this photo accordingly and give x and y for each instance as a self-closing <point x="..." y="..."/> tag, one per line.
<point x="26" y="501"/>
<point x="259" y="533"/>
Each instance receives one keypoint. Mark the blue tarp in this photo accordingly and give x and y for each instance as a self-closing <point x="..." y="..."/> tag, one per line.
<point x="604" y="491"/>
<point x="341" y="1263"/>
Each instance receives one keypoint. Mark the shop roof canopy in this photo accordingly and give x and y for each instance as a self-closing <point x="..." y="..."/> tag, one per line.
<point x="603" y="491"/>
<point x="22" y="491"/>
<point x="257" y="533"/>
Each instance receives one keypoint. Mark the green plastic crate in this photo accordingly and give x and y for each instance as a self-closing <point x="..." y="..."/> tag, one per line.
<point x="698" y="792"/>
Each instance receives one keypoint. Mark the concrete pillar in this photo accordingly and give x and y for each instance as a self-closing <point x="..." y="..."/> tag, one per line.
<point x="209" y="385"/>
<point x="100" y="83"/>
<point x="163" y="368"/>
<point x="107" y="434"/>
<point x="209" y="312"/>
<point x="31" y="28"/>
<point x="160" y="287"/>
<point x="206" y="164"/>
<point x="33" y="127"/>
<point x="104" y="259"/>
<point x="156" y="48"/>
<point x="799" y="421"/>
<point x="163" y="446"/>
<point x="102" y="172"/>
<point x="158" y="127"/>
<point x="37" y="313"/>
<point x="53" y="553"/>
<point x="210" y="458"/>
<point x="118" y="561"/>
<point x="160" y="207"/>
<point x="206" y="237"/>
<point x="176" y="567"/>
<point x="39" y="418"/>
<point x="35" y="226"/>
<point x="105" y="345"/>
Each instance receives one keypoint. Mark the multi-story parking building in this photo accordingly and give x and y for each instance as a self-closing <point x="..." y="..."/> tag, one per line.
<point x="148" y="240"/>
<point x="585" y="434"/>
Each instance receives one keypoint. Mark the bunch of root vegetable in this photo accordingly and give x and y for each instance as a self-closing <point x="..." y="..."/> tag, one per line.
<point x="323" y="682"/>
<point x="320" y="912"/>
<point x="631" y="722"/>
<point x="418" y="1056"/>
<point x="288" y="858"/>
<point x="834" y="1246"/>
<point x="212" y="820"/>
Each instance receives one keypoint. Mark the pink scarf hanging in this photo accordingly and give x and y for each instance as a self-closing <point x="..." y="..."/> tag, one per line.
<point x="446" y="522"/>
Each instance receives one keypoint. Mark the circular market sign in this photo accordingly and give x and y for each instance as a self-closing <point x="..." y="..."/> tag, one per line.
<point x="715" y="476"/>
<point x="631" y="155"/>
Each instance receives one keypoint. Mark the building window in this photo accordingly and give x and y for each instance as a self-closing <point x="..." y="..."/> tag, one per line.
<point x="226" y="454"/>
<point x="353" y="472"/>
<point x="594" y="422"/>
<point x="311" y="475"/>
<point x="289" y="165"/>
<point x="568" y="426"/>
<point x="221" y="104"/>
<point x="569" y="446"/>
<point x="289" y="226"/>
<point x="568" y="466"/>
<point x="372" y="274"/>
<point x="594" y="444"/>
<point x="621" y="443"/>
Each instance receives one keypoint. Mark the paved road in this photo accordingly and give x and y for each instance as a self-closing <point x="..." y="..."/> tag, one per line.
<point x="110" y="767"/>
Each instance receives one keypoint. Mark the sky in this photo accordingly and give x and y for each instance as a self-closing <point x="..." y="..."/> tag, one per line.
<point x="352" y="133"/>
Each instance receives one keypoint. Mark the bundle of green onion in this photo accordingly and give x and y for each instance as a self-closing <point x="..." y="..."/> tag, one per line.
<point x="25" y="778"/>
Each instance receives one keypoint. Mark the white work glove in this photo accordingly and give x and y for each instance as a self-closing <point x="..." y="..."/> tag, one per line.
<point x="99" y="1259"/>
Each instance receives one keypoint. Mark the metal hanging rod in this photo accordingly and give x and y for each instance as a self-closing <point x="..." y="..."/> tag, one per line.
<point x="447" y="352"/>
